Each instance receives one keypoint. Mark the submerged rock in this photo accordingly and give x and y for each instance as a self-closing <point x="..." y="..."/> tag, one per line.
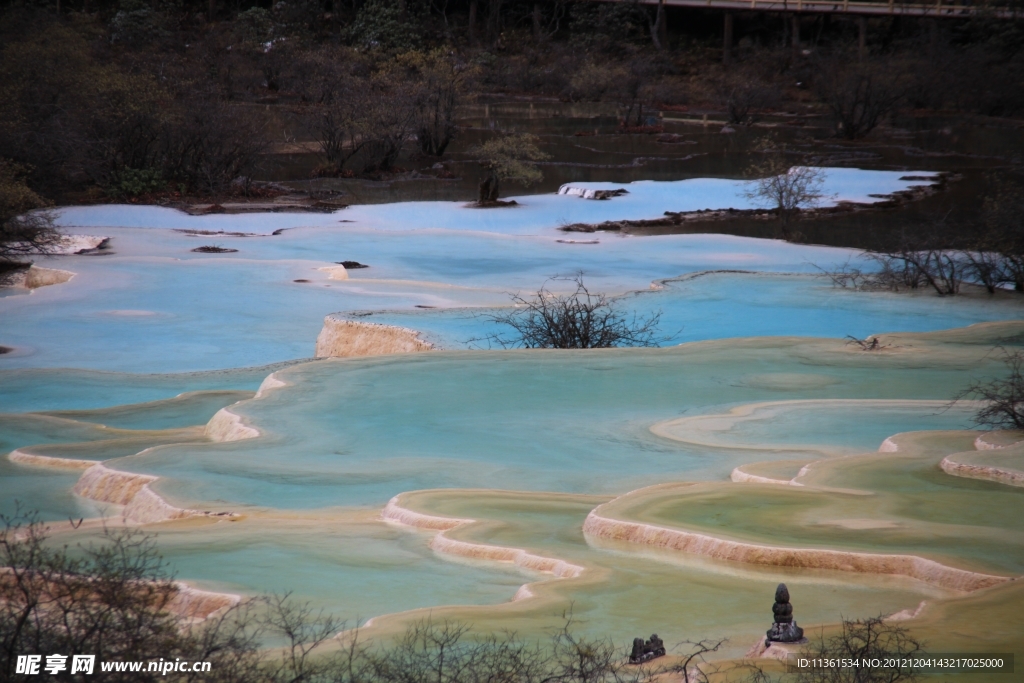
<point x="587" y="193"/>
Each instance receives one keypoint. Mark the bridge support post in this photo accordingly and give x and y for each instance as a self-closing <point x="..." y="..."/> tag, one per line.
<point x="862" y="37"/>
<point x="472" y="21"/>
<point x="662" y="26"/>
<point x="727" y="40"/>
<point x="795" y="30"/>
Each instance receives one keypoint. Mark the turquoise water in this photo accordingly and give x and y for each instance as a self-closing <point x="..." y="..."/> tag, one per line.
<point x="357" y="432"/>
<point x="43" y="389"/>
<point x="356" y="573"/>
<point x="841" y="426"/>
<point x="153" y="305"/>
<point x="156" y="337"/>
<point x="185" y="410"/>
<point x="726" y="305"/>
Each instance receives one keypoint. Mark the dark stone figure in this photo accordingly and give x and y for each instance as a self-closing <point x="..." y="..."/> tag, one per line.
<point x="638" y="651"/>
<point x="646" y="651"/>
<point x="784" y="629"/>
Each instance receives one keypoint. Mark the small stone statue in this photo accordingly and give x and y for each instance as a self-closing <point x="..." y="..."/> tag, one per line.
<point x="645" y="651"/>
<point x="637" y="655"/>
<point x="784" y="628"/>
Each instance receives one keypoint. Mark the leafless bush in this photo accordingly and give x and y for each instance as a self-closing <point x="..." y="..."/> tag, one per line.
<point x="999" y="245"/>
<point x="859" y="93"/>
<point x="630" y="89"/>
<point x="1003" y="398"/>
<point x="987" y="268"/>
<point x="111" y="601"/>
<point x="846" y="276"/>
<point x="360" y="122"/>
<point x="331" y="114"/>
<point x="859" y="641"/>
<point x="209" y="143"/>
<point x="743" y="95"/>
<point x="25" y="229"/>
<point x="784" y="187"/>
<point x="591" y="81"/>
<point x="867" y="343"/>
<point x="114" y="600"/>
<point x="439" y="84"/>
<point x="941" y="269"/>
<point x="580" y="320"/>
<point x="386" y="120"/>
<point x="905" y="269"/>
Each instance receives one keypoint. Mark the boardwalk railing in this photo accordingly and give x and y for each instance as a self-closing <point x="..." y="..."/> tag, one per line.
<point x="938" y="9"/>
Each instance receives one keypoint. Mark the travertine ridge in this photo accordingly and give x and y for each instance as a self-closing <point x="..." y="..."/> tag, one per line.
<point x="350" y="339"/>
<point x="1000" y="475"/>
<point x="919" y="568"/>
<point x="33" y="460"/>
<point x="227" y="426"/>
<point x="395" y="513"/>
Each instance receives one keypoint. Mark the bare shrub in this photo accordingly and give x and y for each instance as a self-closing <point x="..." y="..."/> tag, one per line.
<point x="25" y="231"/>
<point x="448" y="652"/>
<point x="631" y="89"/>
<point x="999" y="251"/>
<point x="941" y="269"/>
<point x="439" y="83"/>
<point x="607" y="28"/>
<point x="362" y="123"/>
<point x="579" y="320"/>
<point x="386" y="119"/>
<point x="871" y="343"/>
<point x="114" y="598"/>
<point x="111" y="600"/>
<point x="592" y="81"/>
<point x="1003" y="398"/>
<point x="898" y="270"/>
<point x="778" y="184"/>
<point x="846" y="276"/>
<point x="208" y="144"/>
<point x="744" y="95"/>
<point x="332" y="114"/>
<point x="859" y="93"/>
<point x="894" y="273"/>
<point x="860" y="641"/>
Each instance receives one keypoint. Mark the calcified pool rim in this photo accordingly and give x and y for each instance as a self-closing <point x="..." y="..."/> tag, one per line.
<point x="144" y="506"/>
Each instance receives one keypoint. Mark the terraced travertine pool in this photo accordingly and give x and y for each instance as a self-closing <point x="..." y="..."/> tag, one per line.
<point x="664" y="489"/>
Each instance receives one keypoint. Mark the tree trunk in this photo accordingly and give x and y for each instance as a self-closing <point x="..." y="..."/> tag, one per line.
<point x="211" y="10"/>
<point x="862" y="38"/>
<point x="727" y="40"/>
<point x="662" y="25"/>
<point x="536" y="22"/>
<point x="659" y="33"/>
<point x="488" y="189"/>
